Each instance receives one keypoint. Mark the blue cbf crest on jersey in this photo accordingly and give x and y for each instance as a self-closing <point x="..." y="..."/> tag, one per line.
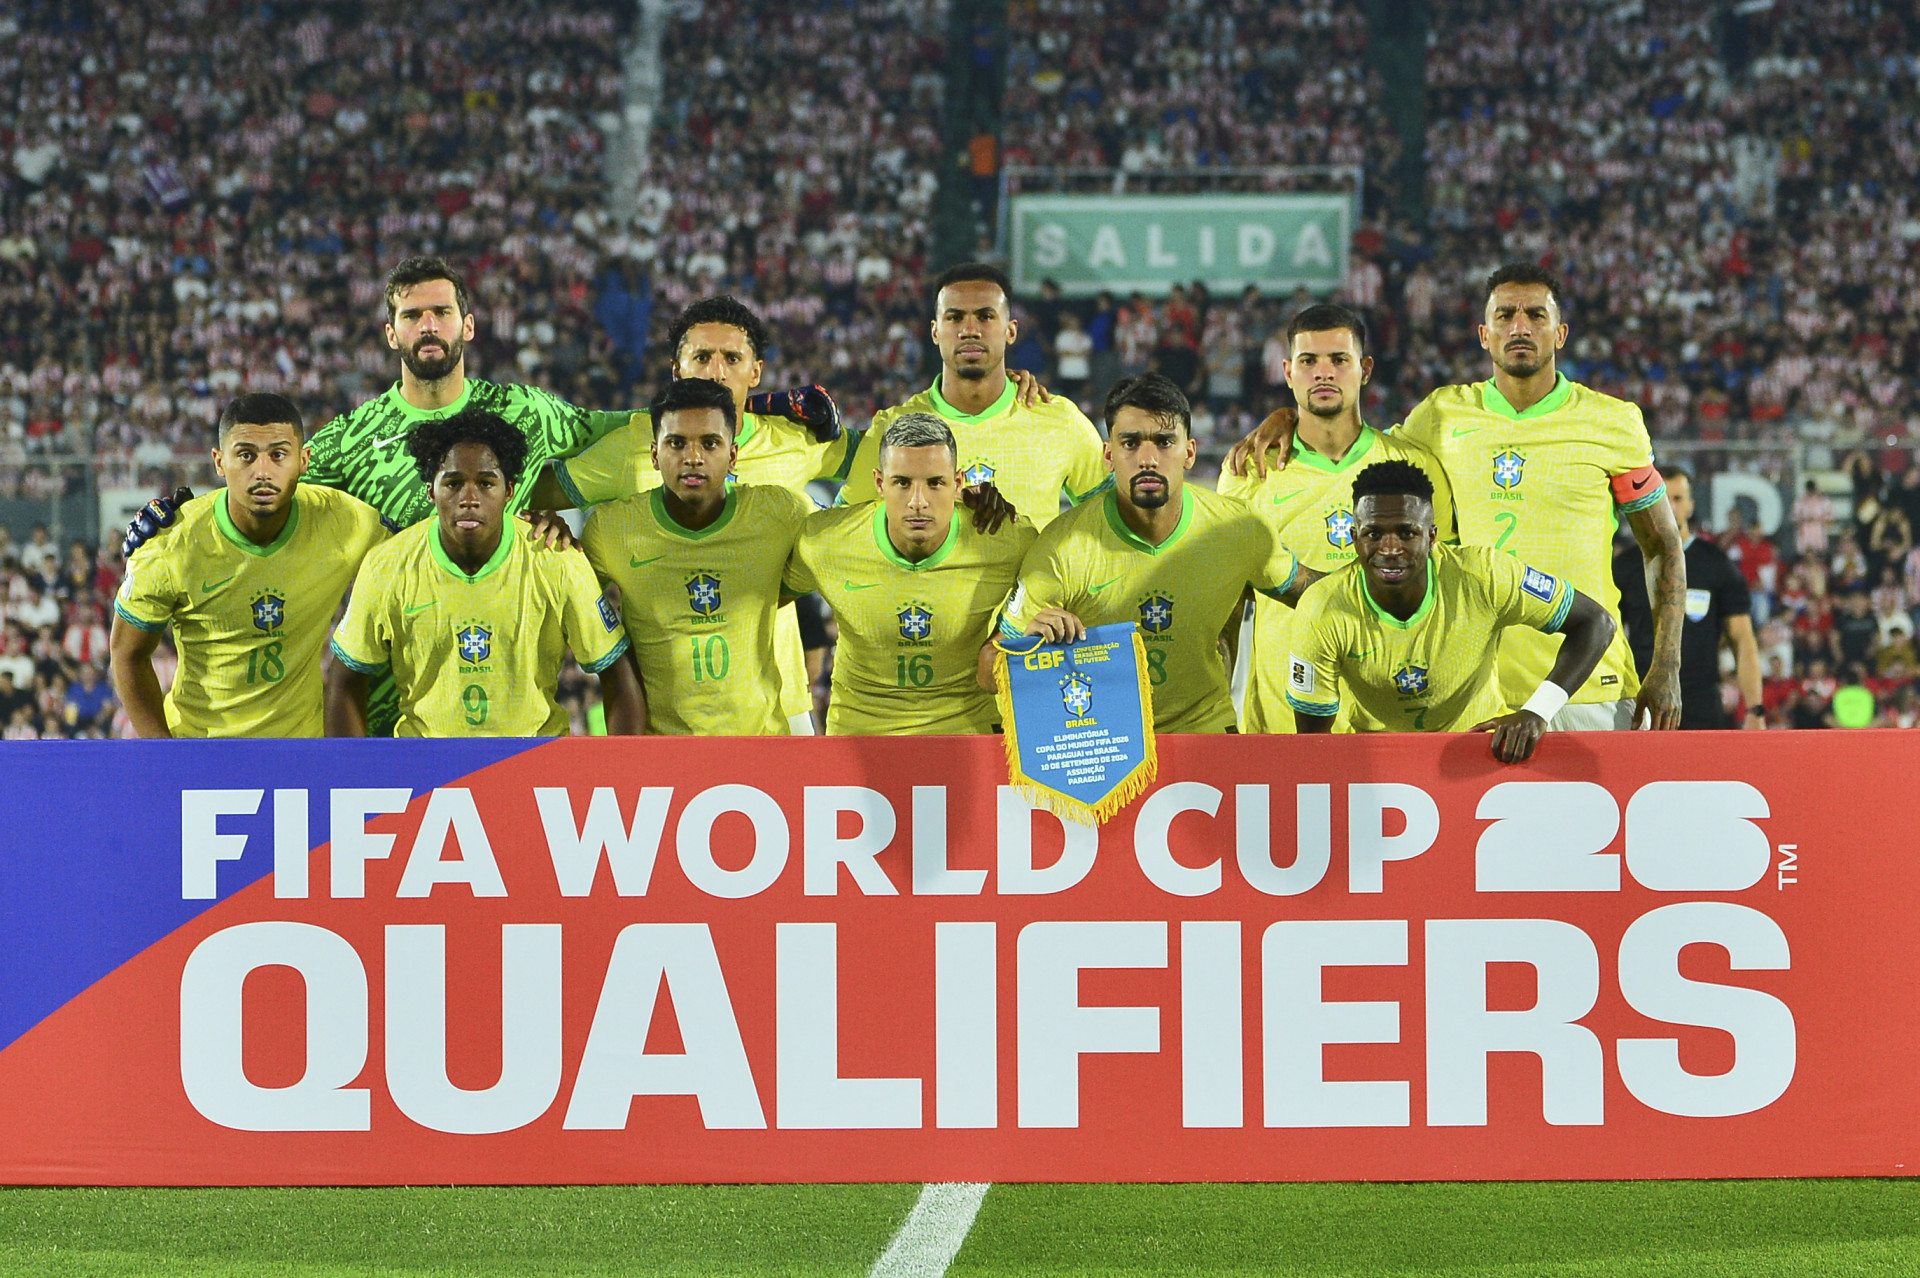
<point x="977" y="473"/>
<point x="269" y="611"/>
<point x="703" y="594"/>
<point x="1538" y="584"/>
<point x="916" y="622"/>
<point x="1340" y="528"/>
<point x="1411" y="680"/>
<point x="1076" y="694"/>
<point x="1507" y="469"/>
<point x="1156" y="614"/>
<point x="476" y="643"/>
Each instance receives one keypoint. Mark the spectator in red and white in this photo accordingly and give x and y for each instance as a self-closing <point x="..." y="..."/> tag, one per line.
<point x="1759" y="563"/>
<point x="1812" y="517"/>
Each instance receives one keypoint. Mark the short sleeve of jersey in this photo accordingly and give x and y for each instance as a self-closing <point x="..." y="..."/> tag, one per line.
<point x="365" y="637"/>
<point x="149" y="596"/>
<point x="1313" y="671"/>
<point x="591" y="622"/>
<point x="1421" y="424"/>
<point x="1088" y="474"/>
<point x="366" y="531"/>
<point x="1522" y="595"/>
<point x="1628" y="446"/>
<point x="604" y="471"/>
<point x="1275" y="567"/>
<point x="864" y="461"/>
<point x="1442" y="496"/>
<point x="1040" y="586"/>
<point x="800" y="578"/>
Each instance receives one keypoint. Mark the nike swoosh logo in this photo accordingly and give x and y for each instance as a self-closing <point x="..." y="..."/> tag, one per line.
<point x="850" y="586"/>
<point x="1468" y="431"/>
<point x="210" y="586"/>
<point x="1359" y="656"/>
<point x="642" y="563"/>
<point x="382" y="443"/>
<point x="1642" y="484"/>
<point x="420" y="607"/>
<point x="1278" y="498"/>
<point x="1094" y="590"/>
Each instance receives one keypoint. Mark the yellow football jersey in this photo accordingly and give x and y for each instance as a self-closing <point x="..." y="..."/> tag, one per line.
<point x="1536" y="484"/>
<point x="480" y="655"/>
<point x="910" y="633"/>
<point x="773" y="451"/>
<point x="1034" y="456"/>
<point x="249" y="621"/>
<point x="1180" y="593"/>
<point x="699" y="605"/>
<point x="1309" y="506"/>
<point x="1433" y="672"/>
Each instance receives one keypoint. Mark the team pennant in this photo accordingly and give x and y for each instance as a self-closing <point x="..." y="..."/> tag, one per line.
<point x="1078" y="719"/>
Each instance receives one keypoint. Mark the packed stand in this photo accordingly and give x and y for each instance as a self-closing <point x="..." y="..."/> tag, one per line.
<point x="794" y="162"/>
<point x="56" y="604"/>
<point x="203" y="198"/>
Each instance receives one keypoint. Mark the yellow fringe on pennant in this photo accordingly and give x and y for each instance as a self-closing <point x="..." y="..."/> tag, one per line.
<point x="1065" y="806"/>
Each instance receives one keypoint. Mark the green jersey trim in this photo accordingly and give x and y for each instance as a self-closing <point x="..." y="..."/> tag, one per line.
<point x="138" y="623"/>
<point x="1559" y="617"/>
<point x="749" y="427"/>
<point x="1130" y="538"/>
<point x="1494" y="402"/>
<point x="441" y="557"/>
<point x="1314" y="459"/>
<point x="417" y="415"/>
<point x="1387" y="618"/>
<point x="948" y="411"/>
<point x="566" y="484"/>
<point x="224" y="522"/>
<point x="657" y="500"/>
<point x="1104" y="486"/>
<point x="597" y="667"/>
<point x="1318" y="710"/>
<point x="359" y="667"/>
<point x="899" y="560"/>
<point x="846" y="463"/>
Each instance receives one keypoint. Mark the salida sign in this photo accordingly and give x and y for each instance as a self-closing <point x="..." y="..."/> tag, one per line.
<point x="843" y="960"/>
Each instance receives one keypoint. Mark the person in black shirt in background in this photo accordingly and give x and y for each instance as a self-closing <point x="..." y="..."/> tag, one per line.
<point x="1719" y="608"/>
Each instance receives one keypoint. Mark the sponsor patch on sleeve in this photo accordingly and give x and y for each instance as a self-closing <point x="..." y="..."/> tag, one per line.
<point x="1300" y="674"/>
<point x="1538" y="584"/>
<point x="609" y="615"/>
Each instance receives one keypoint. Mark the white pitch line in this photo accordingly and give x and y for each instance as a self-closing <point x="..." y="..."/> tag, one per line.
<point x="933" y="1232"/>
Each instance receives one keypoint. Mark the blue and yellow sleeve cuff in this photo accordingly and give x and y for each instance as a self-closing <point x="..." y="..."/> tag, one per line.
<point x="567" y="485"/>
<point x="618" y="651"/>
<point x="1560" y="612"/>
<point x="354" y="663"/>
<point x="1312" y="707"/>
<point x="138" y="623"/>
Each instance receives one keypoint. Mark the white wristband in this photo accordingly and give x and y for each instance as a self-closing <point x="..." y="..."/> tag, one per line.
<point x="1547" y="700"/>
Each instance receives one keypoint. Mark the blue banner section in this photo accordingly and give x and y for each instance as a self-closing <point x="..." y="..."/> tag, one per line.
<point x="90" y="864"/>
<point x="1079" y="720"/>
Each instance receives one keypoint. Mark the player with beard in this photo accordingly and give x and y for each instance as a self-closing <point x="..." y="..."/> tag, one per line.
<point x="1171" y="558"/>
<point x="1405" y="637"/>
<point x="1544" y="469"/>
<point x="1035" y="449"/>
<point x="250" y="582"/>
<point x="1309" y="504"/>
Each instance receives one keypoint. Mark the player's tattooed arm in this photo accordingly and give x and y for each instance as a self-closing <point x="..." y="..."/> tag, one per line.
<point x="1658" y="534"/>
<point x="134" y="680"/>
<point x="1027" y="390"/>
<point x="1273" y="435"/>
<point x="346" y="700"/>
<point x="1303" y="577"/>
<point x="625" y="704"/>
<point x="1588" y="630"/>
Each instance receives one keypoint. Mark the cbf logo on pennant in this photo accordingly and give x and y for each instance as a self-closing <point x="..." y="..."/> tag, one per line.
<point x="1065" y="759"/>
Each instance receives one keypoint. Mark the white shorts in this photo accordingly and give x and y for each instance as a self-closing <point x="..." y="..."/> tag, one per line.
<point x="1594" y="716"/>
<point x="801" y="725"/>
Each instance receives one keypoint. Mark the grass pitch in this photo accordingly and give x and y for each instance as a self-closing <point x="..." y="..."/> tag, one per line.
<point x="1710" y="1229"/>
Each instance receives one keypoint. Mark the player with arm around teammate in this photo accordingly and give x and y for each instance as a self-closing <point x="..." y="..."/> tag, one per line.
<point x="475" y="622"/>
<point x="1410" y="631"/>
<point x="699" y="563"/>
<point x="914" y="590"/>
<point x="250" y="581"/>
<point x="1153" y="550"/>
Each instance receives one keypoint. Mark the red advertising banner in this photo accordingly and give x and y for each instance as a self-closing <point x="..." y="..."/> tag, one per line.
<point x="836" y="960"/>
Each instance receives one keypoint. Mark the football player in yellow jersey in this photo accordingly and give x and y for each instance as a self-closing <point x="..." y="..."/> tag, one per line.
<point x="1172" y="558"/>
<point x="1034" y="449"/>
<point x="249" y="580"/>
<point x="1410" y="631"/>
<point x="1543" y="468"/>
<point x="475" y="624"/>
<point x="913" y="589"/>
<point x="699" y="564"/>
<point x="1309" y="505"/>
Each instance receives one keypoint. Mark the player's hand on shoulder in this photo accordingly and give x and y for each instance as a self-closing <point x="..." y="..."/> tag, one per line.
<point x="1514" y="735"/>
<point x="1275" y="434"/>
<point x="1027" y="390"/>
<point x="809" y="406"/>
<point x="152" y="517"/>
<point x="548" y="528"/>
<point x="1057" y="625"/>
<point x="989" y="505"/>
